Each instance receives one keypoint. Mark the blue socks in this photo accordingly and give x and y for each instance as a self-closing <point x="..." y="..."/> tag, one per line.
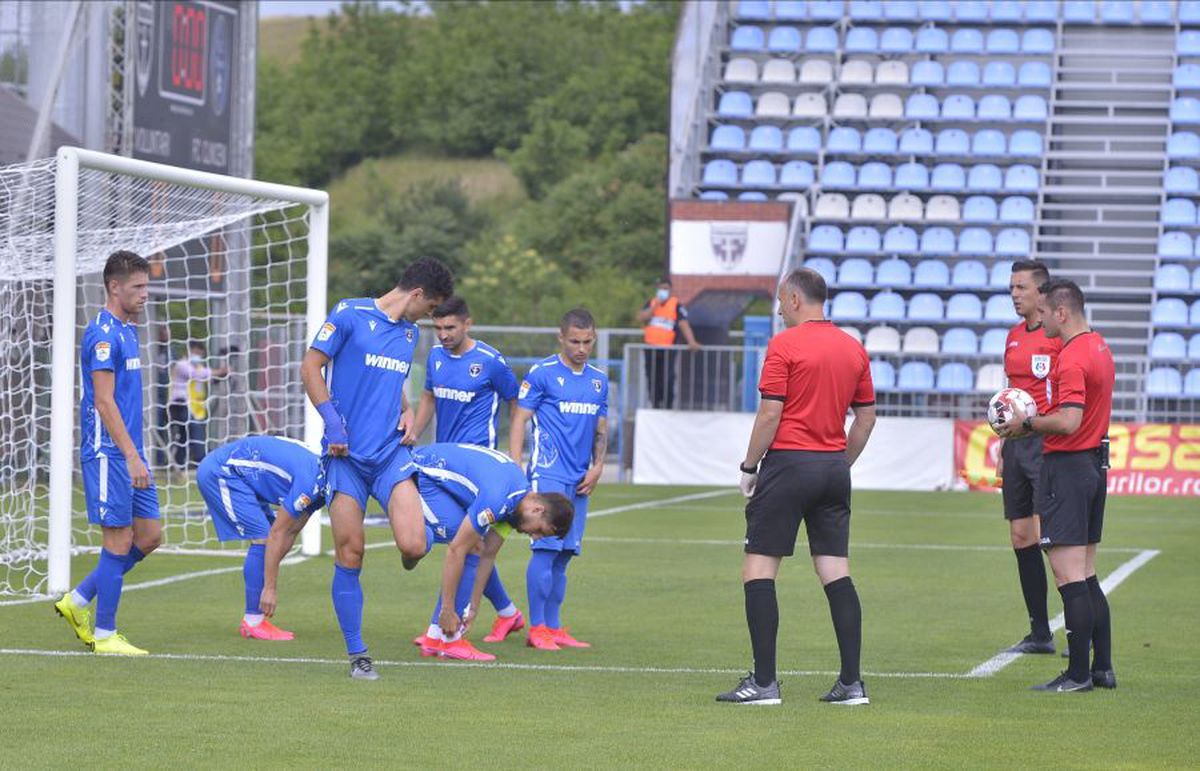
<point x="465" y="584"/>
<point x="538" y="583"/>
<point x="252" y="575"/>
<point x="86" y="591"/>
<point x="494" y="591"/>
<point x="558" y="589"/>
<point x="110" y="577"/>
<point x="348" y="605"/>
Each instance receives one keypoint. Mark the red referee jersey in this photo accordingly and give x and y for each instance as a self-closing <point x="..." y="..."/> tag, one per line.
<point x="817" y="371"/>
<point x="1028" y="359"/>
<point x="1083" y="376"/>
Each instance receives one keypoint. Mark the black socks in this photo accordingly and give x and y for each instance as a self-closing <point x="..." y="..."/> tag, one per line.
<point x="1033" y="586"/>
<point x="847" y="625"/>
<point x="1101" y="626"/>
<point x="1077" y="610"/>
<point x="762" y="618"/>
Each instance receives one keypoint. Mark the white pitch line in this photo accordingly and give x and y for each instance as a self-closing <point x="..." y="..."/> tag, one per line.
<point x="853" y="545"/>
<point x="1110" y="582"/>
<point x="480" y="665"/>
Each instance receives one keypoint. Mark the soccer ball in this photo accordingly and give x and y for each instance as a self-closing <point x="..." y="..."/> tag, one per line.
<point x="1000" y="406"/>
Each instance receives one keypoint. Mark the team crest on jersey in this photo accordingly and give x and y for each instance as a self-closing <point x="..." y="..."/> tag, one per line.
<point x="524" y="389"/>
<point x="475" y="369"/>
<point x="486" y="518"/>
<point x="408" y="335"/>
<point x="326" y="332"/>
<point x="1040" y="365"/>
<point x="103" y="351"/>
<point x="596" y="385"/>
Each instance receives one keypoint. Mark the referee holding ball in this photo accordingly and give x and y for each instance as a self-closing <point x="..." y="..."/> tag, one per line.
<point x="813" y="372"/>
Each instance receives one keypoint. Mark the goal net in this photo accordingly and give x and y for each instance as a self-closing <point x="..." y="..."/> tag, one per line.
<point x="237" y="287"/>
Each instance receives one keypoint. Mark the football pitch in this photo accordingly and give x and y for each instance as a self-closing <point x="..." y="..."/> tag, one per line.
<point x="657" y="593"/>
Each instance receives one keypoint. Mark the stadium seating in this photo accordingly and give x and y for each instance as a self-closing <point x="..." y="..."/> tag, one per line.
<point x="955" y="377"/>
<point x="960" y="340"/>
<point x="993" y="341"/>
<point x="887" y="306"/>
<point x="883" y="375"/>
<point x="1168" y="345"/>
<point x="915" y="376"/>
<point x="920" y="340"/>
<point x="990" y="378"/>
<point x="882" y="340"/>
<point x="1164" y="381"/>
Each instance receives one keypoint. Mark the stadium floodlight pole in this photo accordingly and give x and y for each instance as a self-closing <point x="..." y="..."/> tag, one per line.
<point x="318" y="268"/>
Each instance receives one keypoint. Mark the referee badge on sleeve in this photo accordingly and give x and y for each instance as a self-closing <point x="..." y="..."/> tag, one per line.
<point x="1040" y="364"/>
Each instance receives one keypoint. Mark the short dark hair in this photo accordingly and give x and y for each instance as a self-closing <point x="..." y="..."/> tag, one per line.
<point x="430" y="276"/>
<point x="122" y="264"/>
<point x="809" y="283"/>
<point x="1039" y="269"/>
<point x="561" y="512"/>
<point x="1059" y="292"/>
<point x="579" y="318"/>
<point x="455" y="306"/>
<point x="665" y="280"/>
<point x="198" y="345"/>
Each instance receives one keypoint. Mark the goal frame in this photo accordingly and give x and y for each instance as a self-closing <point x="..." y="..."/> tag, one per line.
<point x="69" y="162"/>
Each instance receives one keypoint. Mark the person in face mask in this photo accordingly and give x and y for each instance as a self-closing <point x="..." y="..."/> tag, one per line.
<point x="665" y="318"/>
<point x="188" y="408"/>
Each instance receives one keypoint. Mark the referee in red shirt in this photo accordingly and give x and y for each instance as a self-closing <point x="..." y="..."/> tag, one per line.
<point x="813" y="373"/>
<point x="1074" y="481"/>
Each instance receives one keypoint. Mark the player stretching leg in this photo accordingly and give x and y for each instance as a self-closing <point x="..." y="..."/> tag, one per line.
<point x="354" y="374"/>
<point x="567" y="399"/>
<point x="120" y="493"/>
<point x="240" y="482"/>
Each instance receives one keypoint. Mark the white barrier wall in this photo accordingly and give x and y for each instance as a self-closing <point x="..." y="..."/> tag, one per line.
<point x="673" y="447"/>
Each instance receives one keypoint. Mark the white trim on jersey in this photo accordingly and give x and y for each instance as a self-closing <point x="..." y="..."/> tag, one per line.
<point x="533" y="456"/>
<point x="261" y="465"/>
<point x="491" y="452"/>
<point x="96" y="420"/>
<point x="492" y="419"/>
<point x="428" y="512"/>
<point x="103" y="479"/>
<point x="441" y="473"/>
<point x="227" y="502"/>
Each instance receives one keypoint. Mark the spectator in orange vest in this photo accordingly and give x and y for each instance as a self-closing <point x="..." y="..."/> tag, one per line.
<point x="664" y="317"/>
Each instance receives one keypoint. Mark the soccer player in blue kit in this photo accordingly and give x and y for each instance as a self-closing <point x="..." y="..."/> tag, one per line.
<point x="567" y="400"/>
<point x="119" y="491"/>
<point x="240" y="482"/>
<point x="354" y="374"/>
<point x="467" y="483"/>
<point x="466" y="380"/>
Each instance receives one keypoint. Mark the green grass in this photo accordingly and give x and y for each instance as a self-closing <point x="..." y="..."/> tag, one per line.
<point x="644" y="600"/>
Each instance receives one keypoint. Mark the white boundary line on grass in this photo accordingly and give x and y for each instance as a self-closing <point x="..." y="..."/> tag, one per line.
<point x="1110" y="582"/>
<point x="853" y="545"/>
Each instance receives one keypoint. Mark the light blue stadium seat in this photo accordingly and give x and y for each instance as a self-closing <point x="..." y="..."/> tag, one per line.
<point x="1003" y="41"/>
<point x="1000" y="273"/>
<point x="758" y="10"/>
<point x="896" y="40"/>
<point x="927" y="72"/>
<point x="1189" y="12"/>
<point x="866" y="10"/>
<point x="862" y="240"/>
<point x="824" y="266"/>
<point x="1034" y="75"/>
<point x="1193" y="351"/>
<point x="1037" y="41"/>
<point x="748" y="38"/>
<point x="911" y="176"/>
<point x="1186" y="76"/>
<point x="900" y="10"/>
<point x="1195" y="315"/>
<point x="791" y="10"/>
<point x="948" y="177"/>
<point x="959" y="107"/>
<point x="1029" y="107"/>
<point x="837" y="174"/>
<point x="1041" y="11"/>
<point x="766" y="139"/>
<point x="966" y="41"/>
<point x="1025" y="142"/>
<point x="999" y="308"/>
<point x="969" y="274"/>
<point x="855" y="271"/>
<point x="963" y="73"/>
<point x="988" y="142"/>
<point x="934" y="10"/>
<point x="1191" y="383"/>
<point x="932" y="40"/>
<point x="879" y="141"/>
<point x="993" y="342"/>
<point x="1179" y="211"/>
<point x="821" y="40"/>
<point x="883" y="375"/>
<point x="797" y="174"/>
<point x="936" y="241"/>
<point x="960" y="341"/>
<point x="848" y="305"/>
<point x="1184" y="144"/>
<point x="979" y="208"/>
<point x="1169" y="312"/>
<point x="1013" y="242"/>
<point x="728" y="138"/>
<point x="995" y="107"/>
<point x="887" y="306"/>
<point x="1116" y="12"/>
<point x="1021" y="177"/>
<point x="735" y="104"/>
<point x="1079" y="12"/>
<point x="953" y="142"/>
<point x="999" y="74"/>
<point x="785" y="40"/>
<point x="925" y="306"/>
<point x="916" y="141"/>
<point x="1181" y="179"/>
<point x="714" y="195"/>
<point x="804" y="139"/>
<point x="758" y="174"/>
<point x="826" y="239"/>
<point x="1164" y="381"/>
<point x="1008" y="12"/>
<point x="915" y="376"/>
<point x="1168" y="345"/>
<point x="1175" y="244"/>
<point x="752" y="195"/>
<point x="826" y="10"/>
<point x="975" y="241"/>
<point x="895" y="272"/>
<point x="932" y="273"/>
<point x="1185" y="109"/>
<point x="1016" y="208"/>
<point x="1172" y="277"/>
<point x="862" y="40"/>
<point x="900" y="239"/>
<point x="1157" y="12"/>
<point x="844" y="139"/>
<point x="985" y="177"/>
<point x="1196" y="280"/>
<point x="921" y="107"/>
<point x="720" y="172"/>
<point x="955" y="377"/>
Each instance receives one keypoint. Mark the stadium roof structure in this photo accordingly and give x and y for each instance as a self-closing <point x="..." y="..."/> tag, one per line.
<point x="17" y="120"/>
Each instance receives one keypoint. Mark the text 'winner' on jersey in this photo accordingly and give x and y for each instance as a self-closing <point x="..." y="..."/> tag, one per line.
<point x="566" y="407"/>
<point x="468" y="390"/>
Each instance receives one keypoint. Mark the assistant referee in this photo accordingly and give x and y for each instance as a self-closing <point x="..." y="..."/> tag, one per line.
<point x="1074" y="481"/>
<point x="813" y="372"/>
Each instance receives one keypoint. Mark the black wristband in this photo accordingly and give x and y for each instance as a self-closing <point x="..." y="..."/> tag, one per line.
<point x="1027" y="423"/>
<point x="752" y="470"/>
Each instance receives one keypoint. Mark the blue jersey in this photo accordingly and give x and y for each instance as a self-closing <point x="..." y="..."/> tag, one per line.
<point x="369" y="359"/>
<point x="566" y="407"/>
<point x="110" y="344"/>
<point x="467" y="391"/>
<point x="279" y="471"/>
<point x="486" y="483"/>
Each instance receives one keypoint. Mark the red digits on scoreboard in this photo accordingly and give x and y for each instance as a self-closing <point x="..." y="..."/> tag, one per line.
<point x="188" y="30"/>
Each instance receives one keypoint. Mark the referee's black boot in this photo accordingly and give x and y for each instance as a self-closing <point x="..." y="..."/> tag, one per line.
<point x="1104" y="678"/>
<point x="849" y="695"/>
<point x="1031" y="644"/>
<point x="750" y="692"/>
<point x="1064" y="684"/>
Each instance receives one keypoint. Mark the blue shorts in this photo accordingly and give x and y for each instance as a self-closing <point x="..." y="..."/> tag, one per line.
<point x="360" y="479"/>
<point x="112" y="500"/>
<point x="574" y="539"/>
<point x="236" y="511"/>
<point x="442" y="513"/>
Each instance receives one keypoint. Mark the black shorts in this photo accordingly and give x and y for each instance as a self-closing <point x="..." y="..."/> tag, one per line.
<point x="1022" y="476"/>
<point x="1073" y="490"/>
<point x="795" y="485"/>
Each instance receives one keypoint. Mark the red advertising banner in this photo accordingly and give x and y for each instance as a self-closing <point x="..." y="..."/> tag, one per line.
<point x="1146" y="458"/>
